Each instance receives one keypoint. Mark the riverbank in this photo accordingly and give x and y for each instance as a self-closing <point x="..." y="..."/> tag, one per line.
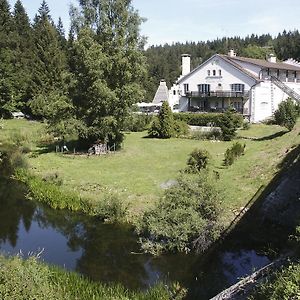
<point x="31" y="279"/>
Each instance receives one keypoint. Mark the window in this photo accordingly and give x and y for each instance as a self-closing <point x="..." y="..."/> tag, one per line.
<point x="204" y="88"/>
<point x="237" y="87"/>
<point x="220" y="72"/>
<point x="208" y="72"/>
<point x="287" y="74"/>
<point x="174" y="92"/>
<point x="186" y="88"/>
<point x="278" y="73"/>
<point x="214" y="72"/>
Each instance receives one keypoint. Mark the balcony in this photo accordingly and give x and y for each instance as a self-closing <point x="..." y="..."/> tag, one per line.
<point x="217" y="94"/>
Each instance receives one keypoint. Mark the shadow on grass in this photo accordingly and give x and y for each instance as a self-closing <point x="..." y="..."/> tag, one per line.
<point x="251" y="230"/>
<point x="266" y="138"/>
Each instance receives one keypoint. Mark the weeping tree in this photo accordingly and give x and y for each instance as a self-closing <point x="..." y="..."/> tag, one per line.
<point x="108" y="66"/>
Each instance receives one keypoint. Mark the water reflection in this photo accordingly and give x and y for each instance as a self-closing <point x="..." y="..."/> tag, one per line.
<point x="109" y="253"/>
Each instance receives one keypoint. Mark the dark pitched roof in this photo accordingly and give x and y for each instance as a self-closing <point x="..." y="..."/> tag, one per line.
<point x="264" y="63"/>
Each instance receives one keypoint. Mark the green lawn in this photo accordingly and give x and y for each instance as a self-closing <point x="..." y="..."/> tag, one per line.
<point x="139" y="170"/>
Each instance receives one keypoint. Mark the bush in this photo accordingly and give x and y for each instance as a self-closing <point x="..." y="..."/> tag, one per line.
<point x="181" y="128"/>
<point x="186" y="218"/>
<point x="233" y="153"/>
<point x="166" y="121"/>
<point x="284" y="285"/>
<point x="11" y="159"/>
<point x="246" y="125"/>
<point x="287" y="113"/>
<point x="136" y="123"/>
<point x="198" y="119"/>
<point x="229" y="122"/>
<point x="198" y="160"/>
<point x="213" y="134"/>
<point x="163" y="126"/>
<point x="154" y="130"/>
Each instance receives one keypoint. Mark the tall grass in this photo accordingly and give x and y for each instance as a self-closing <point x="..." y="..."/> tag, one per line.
<point x="30" y="279"/>
<point x="110" y="207"/>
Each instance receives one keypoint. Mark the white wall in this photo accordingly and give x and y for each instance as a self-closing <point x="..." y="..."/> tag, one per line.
<point x="229" y="76"/>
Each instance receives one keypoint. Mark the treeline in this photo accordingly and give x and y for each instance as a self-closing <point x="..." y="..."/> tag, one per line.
<point x="84" y="85"/>
<point x="164" y="62"/>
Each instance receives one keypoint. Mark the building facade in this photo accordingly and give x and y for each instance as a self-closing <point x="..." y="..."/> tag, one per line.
<point x="254" y="87"/>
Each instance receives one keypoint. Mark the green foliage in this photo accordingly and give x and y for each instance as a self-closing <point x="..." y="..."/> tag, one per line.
<point x="136" y="122"/>
<point x="287" y="113"/>
<point x="283" y="286"/>
<point x="187" y="217"/>
<point x="233" y="153"/>
<point x="166" y="121"/>
<point x="108" y="67"/>
<point x="198" y="160"/>
<point x="11" y="159"/>
<point x="198" y="119"/>
<point x="213" y="134"/>
<point x="30" y="279"/>
<point x="246" y="125"/>
<point x="47" y="190"/>
<point x="164" y="126"/>
<point x="229" y="122"/>
<point x="181" y="128"/>
<point x="254" y="51"/>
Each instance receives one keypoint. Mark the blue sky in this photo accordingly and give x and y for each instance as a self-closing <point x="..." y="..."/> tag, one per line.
<point x="197" y="20"/>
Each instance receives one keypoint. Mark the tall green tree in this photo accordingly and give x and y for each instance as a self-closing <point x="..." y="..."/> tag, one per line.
<point x="23" y="49"/>
<point x="115" y="26"/>
<point x="49" y="68"/>
<point x="6" y="57"/>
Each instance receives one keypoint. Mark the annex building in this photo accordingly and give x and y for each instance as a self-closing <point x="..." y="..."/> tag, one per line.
<point x="254" y="87"/>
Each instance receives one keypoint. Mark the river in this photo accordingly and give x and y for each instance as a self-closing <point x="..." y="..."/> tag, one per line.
<point x="111" y="253"/>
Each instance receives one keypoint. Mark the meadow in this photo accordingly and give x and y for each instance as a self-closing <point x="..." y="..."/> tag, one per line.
<point x="144" y="167"/>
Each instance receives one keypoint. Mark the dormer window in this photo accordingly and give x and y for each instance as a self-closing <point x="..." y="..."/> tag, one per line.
<point x="214" y="72"/>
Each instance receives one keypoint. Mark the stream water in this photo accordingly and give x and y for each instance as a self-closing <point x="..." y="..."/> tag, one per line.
<point x="110" y="253"/>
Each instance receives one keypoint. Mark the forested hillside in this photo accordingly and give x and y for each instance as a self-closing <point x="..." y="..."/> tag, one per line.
<point x="164" y="62"/>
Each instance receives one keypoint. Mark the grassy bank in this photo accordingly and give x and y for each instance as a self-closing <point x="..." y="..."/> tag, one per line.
<point x="30" y="279"/>
<point x="140" y="170"/>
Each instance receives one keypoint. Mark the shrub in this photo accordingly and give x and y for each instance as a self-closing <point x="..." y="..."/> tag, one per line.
<point x="163" y="126"/>
<point x="154" y="130"/>
<point x="246" y="125"/>
<point x="213" y="134"/>
<point x="181" y="128"/>
<point x="111" y="208"/>
<point x="198" y="119"/>
<point x="287" y="113"/>
<point x="136" y="123"/>
<point x="166" y="121"/>
<point x="284" y="285"/>
<point x="186" y="218"/>
<point x="233" y="153"/>
<point x="11" y="158"/>
<point x="229" y="122"/>
<point x="198" y="160"/>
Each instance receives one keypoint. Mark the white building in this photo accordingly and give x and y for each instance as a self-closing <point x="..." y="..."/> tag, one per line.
<point x="254" y="87"/>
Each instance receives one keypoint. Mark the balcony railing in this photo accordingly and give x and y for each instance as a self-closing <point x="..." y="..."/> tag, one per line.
<point x="217" y="94"/>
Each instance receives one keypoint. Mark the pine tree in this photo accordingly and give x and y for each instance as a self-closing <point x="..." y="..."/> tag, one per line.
<point x="22" y="54"/>
<point x="6" y="57"/>
<point x="166" y="121"/>
<point x="49" y="69"/>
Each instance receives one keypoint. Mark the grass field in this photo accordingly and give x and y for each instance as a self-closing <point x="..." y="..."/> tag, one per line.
<point x="140" y="169"/>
